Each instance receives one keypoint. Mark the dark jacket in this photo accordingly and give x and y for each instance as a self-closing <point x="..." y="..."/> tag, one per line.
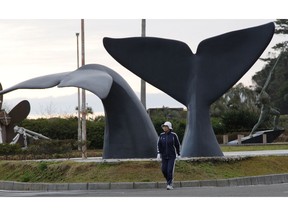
<point x="168" y="145"/>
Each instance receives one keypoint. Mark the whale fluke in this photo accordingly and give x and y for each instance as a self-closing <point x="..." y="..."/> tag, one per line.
<point x="195" y="80"/>
<point x="93" y="79"/>
<point x="42" y="82"/>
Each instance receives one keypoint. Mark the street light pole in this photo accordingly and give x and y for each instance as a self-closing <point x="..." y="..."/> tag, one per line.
<point x="84" y="145"/>
<point x="143" y="84"/>
<point x="79" y="120"/>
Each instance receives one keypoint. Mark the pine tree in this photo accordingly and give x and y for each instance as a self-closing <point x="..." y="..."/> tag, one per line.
<point x="278" y="87"/>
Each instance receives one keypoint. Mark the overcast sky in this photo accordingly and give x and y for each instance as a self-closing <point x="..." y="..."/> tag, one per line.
<point x="34" y="47"/>
<point x="38" y="38"/>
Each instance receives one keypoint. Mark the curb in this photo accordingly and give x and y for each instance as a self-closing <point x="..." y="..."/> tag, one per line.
<point x="243" y="181"/>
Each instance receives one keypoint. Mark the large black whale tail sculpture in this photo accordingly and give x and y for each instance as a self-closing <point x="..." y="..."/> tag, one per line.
<point x="129" y="132"/>
<point x="195" y="80"/>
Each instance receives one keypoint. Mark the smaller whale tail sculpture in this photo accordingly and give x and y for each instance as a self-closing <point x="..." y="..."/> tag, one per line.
<point x="129" y="132"/>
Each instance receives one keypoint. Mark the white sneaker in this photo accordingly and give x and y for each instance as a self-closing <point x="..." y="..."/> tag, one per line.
<point x="169" y="187"/>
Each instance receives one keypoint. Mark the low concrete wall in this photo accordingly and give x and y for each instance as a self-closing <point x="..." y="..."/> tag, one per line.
<point x="252" y="180"/>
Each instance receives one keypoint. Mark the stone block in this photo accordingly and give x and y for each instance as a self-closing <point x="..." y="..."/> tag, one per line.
<point x="268" y="179"/>
<point x="190" y="183"/>
<point x="39" y="186"/>
<point x="77" y="186"/>
<point x="122" y="185"/>
<point x="257" y="180"/>
<point x="233" y="182"/>
<point x="278" y="178"/>
<point x="161" y="184"/>
<point x="244" y="181"/>
<point x="7" y="185"/>
<point x="208" y="183"/>
<point x="19" y="186"/>
<point x="145" y="185"/>
<point x="222" y="182"/>
<point x="57" y="186"/>
<point x="99" y="186"/>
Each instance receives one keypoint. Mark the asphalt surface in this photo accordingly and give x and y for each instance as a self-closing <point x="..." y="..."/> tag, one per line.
<point x="226" y="154"/>
<point x="257" y="153"/>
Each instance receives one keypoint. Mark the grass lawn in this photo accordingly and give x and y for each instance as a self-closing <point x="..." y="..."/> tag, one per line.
<point x="145" y="171"/>
<point x="274" y="146"/>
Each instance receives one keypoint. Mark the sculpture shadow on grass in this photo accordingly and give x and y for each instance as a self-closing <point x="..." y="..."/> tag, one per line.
<point x="129" y="132"/>
<point x="195" y="80"/>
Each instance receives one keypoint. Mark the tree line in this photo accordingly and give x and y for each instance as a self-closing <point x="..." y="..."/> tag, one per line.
<point x="278" y="87"/>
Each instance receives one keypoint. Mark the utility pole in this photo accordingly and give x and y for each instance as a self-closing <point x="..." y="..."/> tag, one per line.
<point x="143" y="84"/>
<point x="84" y="144"/>
<point x="78" y="110"/>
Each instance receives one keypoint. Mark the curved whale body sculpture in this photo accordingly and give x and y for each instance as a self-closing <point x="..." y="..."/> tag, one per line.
<point x="195" y="80"/>
<point x="129" y="132"/>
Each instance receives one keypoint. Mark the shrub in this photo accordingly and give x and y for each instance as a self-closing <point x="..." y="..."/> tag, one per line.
<point x="217" y="125"/>
<point x="95" y="133"/>
<point x="9" y="149"/>
<point x="66" y="129"/>
<point x="239" y="120"/>
<point x="49" y="147"/>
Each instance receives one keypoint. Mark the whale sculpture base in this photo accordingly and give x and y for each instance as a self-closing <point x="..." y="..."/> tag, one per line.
<point x="258" y="137"/>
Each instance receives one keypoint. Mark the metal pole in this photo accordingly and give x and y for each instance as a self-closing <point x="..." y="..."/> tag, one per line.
<point x="79" y="120"/>
<point x="143" y="84"/>
<point x="84" y="146"/>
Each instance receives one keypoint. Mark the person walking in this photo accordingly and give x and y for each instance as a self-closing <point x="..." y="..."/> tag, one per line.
<point x="168" y="148"/>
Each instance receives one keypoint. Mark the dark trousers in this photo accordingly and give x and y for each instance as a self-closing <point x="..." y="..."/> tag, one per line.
<point x="168" y="169"/>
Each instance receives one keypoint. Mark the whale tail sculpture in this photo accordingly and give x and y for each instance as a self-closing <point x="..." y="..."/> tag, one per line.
<point x="129" y="132"/>
<point x="195" y="80"/>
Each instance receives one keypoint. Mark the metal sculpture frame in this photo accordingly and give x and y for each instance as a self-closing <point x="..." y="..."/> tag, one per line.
<point x="9" y="120"/>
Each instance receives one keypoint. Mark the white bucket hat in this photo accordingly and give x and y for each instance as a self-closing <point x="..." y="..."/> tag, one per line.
<point x="168" y="124"/>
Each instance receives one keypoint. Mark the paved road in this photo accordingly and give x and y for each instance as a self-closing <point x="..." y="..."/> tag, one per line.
<point x="283" y="152"/>
<point x="274" y="190"/>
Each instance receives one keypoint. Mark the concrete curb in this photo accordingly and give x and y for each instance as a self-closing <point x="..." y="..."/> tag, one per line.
<point x="244" y="181"/>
